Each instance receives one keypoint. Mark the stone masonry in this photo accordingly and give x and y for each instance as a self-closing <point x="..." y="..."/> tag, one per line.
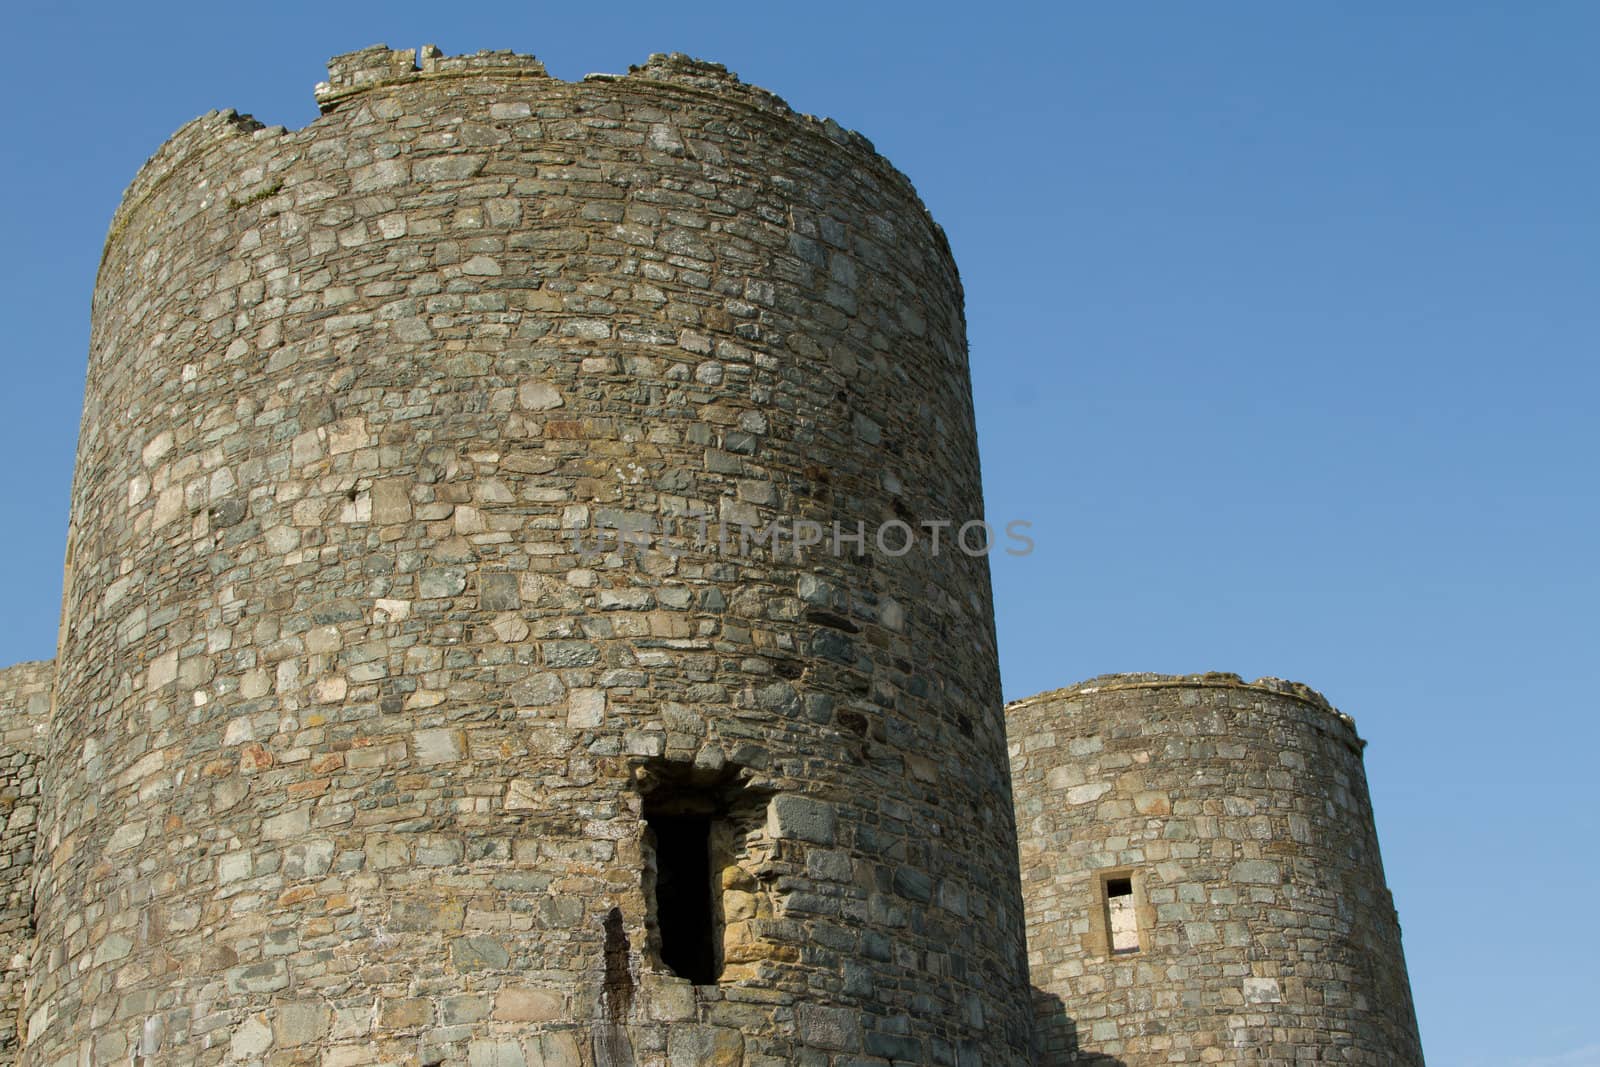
<point x="24" y="718"/>
<point x="413" y="706"/>
<point x="356" y="748"/>
<point x="1236" y="817"/>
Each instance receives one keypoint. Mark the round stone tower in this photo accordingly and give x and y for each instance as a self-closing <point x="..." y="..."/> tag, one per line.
<point x="1202" y="878"/>
<point x="369" y="749"/>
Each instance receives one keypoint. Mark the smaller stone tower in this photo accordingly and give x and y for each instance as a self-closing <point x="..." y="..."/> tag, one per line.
<point x="1201" y="876"/>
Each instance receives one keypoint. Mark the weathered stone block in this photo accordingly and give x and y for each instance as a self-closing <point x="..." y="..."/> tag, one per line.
<point x="498" y="591"/>
<point x="830" y="1028"/>
<point x="801" y="817"/>
<point x="444" y="745"/>
<point x="517" y="1004"/>
<point x="1256" y="872"/>
<point x="478" y="953"/>
<point x="250" y="1038"/>
<point x="442" y="582"/>
<point x="495" y="1052"/>
<point x="258" y="977"/>
<point x="301" y="1023"/>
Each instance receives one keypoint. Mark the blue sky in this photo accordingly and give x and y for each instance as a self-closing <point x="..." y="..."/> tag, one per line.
<point x="1284" y="335"/>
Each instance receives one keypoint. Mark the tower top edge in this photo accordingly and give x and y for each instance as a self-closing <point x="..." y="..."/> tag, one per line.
<point x="351" y="73"/>
<point x="1207" y="680"/>
<point x="29" y="665"/>
<point x="379" y="67"/>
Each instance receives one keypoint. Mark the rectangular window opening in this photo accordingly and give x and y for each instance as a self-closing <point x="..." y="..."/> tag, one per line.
<point x="1122" y="916"/>
<point x="687" y="898"/>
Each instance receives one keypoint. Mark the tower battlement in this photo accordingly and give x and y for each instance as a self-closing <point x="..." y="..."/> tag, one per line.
<point x="380" y="65"/>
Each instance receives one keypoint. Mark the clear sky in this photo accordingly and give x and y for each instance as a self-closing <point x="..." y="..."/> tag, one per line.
<point x="1284" y="330"/>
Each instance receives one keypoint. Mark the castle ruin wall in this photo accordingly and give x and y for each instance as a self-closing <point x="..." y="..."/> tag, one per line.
<point x="24" y="718"/>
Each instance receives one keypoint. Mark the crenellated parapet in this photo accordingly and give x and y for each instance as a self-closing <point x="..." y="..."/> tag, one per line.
<point x="380" y="65"/>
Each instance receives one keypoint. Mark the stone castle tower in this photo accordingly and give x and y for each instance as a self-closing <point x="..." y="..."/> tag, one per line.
<point x="1202" y="877"/>
<point x="364" y="746"/>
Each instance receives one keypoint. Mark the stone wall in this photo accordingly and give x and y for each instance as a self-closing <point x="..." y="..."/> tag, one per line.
<point x="1236" y="818"/>
<point x="356" y="749"/>
<point x="24" y="718"/>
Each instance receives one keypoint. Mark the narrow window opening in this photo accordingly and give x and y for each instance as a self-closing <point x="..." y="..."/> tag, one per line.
<point x="703" y="856"/>
<point x="1122" y="916"/>
<point x="686" y="901"/>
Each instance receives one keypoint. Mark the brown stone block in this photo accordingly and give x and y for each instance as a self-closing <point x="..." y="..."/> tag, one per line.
<point x="327" y="763"/>
<point x="405" y="1013"/>
<point x="564" y="429"/>
<point x="520" y="1004"/>
<point x="254" y="758"/>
